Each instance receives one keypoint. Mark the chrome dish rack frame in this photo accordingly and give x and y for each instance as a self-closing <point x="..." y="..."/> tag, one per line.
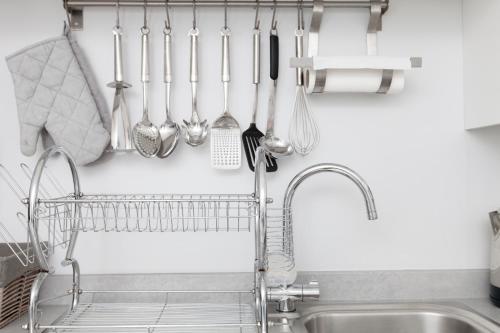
<point x="77" y="212"/>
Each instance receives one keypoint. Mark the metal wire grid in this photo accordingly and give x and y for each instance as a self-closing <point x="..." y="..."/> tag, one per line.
<point x="157" y="317"/>
<point x="280" y="254"/>
<point x="50" y="237"/>
<point x="23" y="251"/>
<point x="150" y="213"/>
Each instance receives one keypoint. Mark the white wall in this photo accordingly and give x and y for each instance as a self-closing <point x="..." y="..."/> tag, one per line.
<point x="434" y="183"/>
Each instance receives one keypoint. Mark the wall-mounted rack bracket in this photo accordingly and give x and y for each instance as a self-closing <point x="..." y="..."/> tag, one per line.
<point x="75" y="16"/>
<point x="374" y="26"/>
<point x="377" y="8"/>
<point x="76" y="19"/>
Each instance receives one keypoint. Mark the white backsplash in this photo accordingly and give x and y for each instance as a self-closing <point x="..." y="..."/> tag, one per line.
<point x="433" y="182"/>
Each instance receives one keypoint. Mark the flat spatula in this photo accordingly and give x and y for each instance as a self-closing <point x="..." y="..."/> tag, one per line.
<point x="225" y="136"/>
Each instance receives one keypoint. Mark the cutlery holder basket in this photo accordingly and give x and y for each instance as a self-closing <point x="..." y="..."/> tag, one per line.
<point x="16" y="280"/>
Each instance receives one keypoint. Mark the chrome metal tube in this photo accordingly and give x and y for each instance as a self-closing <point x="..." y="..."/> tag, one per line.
<point x="261" y="216"/>
<point x="234" y="3"/>
<point x="297" y="291"/>
<point x="33" y="306"/>
<point x="76" y="284"/>
<point x="33" y="202"/>
<point x="286" y="297"/>
<point x="335" y="168"/>
<point x="260" y="240"/>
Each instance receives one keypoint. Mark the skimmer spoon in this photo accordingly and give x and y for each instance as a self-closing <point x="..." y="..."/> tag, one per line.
<point x="146" y="135"/>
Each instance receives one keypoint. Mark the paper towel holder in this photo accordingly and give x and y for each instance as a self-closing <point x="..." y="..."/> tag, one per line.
<point x="384" y="69"/>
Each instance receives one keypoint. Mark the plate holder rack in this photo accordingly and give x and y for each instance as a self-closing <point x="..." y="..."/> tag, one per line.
<point x="67" y="215"/>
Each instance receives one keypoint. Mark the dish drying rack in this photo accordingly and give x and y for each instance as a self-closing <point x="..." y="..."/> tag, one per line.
<point x="55" y="221"/>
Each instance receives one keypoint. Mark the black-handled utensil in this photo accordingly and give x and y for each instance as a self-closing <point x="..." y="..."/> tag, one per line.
<point x="274" y="47"/>
<point x="271" y="143"/>
<point x="252" y="135"/>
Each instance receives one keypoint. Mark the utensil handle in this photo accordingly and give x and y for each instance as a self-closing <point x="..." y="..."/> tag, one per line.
<point x="117" y="43"/>
<point x="274" y="56"/>
<point x="226" y="74"/>
<point x="299" y="53"/>
<point x="167" y="61"/>
<point x="145" y="55"/>
<point x="256" y="71"/>
<point x="271" y="110"/>
<point x="256" y="56"/>
<point x="145" y="72"/>
<point x="193" y="68"/>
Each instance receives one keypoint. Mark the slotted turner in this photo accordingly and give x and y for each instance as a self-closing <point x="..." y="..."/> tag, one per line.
<point x="225" y="136"/>
<point x="252" y="135"/>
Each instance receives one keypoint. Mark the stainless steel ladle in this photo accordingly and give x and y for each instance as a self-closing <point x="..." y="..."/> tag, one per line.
<point x="272" y="144"/>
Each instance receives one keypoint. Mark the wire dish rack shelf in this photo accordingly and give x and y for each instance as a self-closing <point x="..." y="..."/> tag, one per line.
<point x="149" y="212"/>
<point x="56" y="220"/>
<point x="236" y="314"/>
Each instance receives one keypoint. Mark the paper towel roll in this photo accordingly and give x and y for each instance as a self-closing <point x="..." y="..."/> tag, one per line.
<point x="352" y="81"/>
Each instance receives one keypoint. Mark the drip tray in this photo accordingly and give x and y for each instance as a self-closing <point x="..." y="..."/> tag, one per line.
<point x="157" y="317"/>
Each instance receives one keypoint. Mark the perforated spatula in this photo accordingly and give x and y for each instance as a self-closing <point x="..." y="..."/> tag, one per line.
<point x="225" y="136"/>
<point x="252" y="135"/>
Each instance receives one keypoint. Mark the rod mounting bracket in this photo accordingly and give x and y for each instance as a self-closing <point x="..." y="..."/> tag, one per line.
<point x="374" y="26"/>
<point x="76" y="19"/>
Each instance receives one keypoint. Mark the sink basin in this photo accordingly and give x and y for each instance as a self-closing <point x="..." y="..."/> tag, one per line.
<point x="391" y="318"/>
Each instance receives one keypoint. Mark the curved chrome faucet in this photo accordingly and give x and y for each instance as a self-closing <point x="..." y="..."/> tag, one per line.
<point x="286" y="296"/>
<point x="335" y="168"/>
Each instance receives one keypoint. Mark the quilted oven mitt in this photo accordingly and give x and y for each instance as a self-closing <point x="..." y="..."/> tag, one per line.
<point x="53" y="93"/>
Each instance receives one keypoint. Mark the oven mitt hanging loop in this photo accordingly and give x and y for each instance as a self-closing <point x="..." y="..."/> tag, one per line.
<point x="55" y="91"/>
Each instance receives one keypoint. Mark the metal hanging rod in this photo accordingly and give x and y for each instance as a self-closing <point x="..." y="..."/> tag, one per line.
<point x="75" y="7"/>
<point x="78" y="4"/>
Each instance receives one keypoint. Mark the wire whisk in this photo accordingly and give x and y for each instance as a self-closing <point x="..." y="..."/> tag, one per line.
<point x="303" y="131"/>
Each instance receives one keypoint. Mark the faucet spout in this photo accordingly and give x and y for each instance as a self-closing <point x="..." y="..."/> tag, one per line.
<point x="335" y="168"/>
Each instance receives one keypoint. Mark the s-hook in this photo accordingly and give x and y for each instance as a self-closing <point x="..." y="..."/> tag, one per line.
<point x="167" y="18"/>
<point x="194" y="14"/>
<point x="274" y="23"/>
<point x="117" y="24"/>
<point x="257" y="21"/>
<point x="68" y="15"/>
<point x="145" y="6"/>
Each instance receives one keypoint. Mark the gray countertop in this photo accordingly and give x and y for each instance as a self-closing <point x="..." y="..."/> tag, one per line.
<point x="464" y="288"/>
<point x="482" y="306"/>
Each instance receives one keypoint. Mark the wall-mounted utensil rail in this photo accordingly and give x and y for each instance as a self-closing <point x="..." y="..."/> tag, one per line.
<point x="75" y="7"/>
<point x="232" y="3"/>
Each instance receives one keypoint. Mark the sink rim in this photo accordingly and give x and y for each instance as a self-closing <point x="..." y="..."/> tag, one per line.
<point x="454" y="310"/>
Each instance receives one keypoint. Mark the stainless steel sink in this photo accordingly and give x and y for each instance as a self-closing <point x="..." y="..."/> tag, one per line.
<point x="391" y="318"/>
